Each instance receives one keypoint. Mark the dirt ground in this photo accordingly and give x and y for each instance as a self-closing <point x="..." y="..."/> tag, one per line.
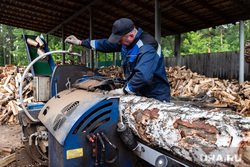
<point x="10" y="137"/>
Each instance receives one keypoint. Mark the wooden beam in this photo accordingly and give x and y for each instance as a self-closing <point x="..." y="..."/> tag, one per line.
<point x="73" y="16"/>
<point x="134" y="14"/>
<point x="190" y="14"/>
<point x="241" y="5"/>
<point x="163" y="15"/>
<point x="212" y="9"/>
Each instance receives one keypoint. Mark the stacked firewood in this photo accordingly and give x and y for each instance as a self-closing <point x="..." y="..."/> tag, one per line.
<point x="112" y="71"/>
<point x="9" y="93"/>
<point x="218" y="93"/>
<point x="247" y="51"/>
<point x="221" y="93"/>
<point x="185" y="83"/>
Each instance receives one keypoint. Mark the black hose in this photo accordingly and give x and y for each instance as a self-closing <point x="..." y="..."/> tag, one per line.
<point x="103" y="149"/>
<point x="33" y="154"/>
<point x="45" y="157"/>
<point x="111" y="144"/>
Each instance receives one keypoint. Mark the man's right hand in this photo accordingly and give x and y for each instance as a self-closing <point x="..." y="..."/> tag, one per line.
<point x="73" y="40"/>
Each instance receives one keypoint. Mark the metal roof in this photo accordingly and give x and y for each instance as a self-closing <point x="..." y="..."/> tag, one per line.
<point x="177" y="16"/>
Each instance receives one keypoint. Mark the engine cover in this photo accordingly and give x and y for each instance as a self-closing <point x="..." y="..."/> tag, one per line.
<point x="60" y="114"/>
<point x="73" y="115"/>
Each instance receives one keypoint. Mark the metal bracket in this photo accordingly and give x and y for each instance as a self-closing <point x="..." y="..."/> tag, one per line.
<point x="156" y="158"/>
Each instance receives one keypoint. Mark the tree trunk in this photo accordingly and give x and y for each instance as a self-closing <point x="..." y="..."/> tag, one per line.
<point x="10" y="44"/>
<point x="221" y="36"/>
<point x="4" y="56"/>
<point x="204" y="137"/>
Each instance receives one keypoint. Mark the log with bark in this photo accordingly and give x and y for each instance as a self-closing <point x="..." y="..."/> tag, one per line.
<point x="204" y="137"/>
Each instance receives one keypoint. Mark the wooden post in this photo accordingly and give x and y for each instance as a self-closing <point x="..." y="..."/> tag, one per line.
<point x="178" y="49"/>
<point x="63" y="43"/>
<point x="241" y="56"/>
<point x="114" y="58"/>
<point x="96" y="59"/>
<point x="4" y="56"/>
<point x="10" y="45"/>
<point x="117" y="58"/>
<point x="157" y="21"/>
<point x="84" y="57"/>
<point x="91" y="53"/>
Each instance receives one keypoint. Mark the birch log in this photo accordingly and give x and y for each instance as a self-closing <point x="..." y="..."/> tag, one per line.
<point x="204" y="137"/>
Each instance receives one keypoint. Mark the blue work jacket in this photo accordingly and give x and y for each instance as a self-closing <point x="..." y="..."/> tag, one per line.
<point x="143" y="65"/>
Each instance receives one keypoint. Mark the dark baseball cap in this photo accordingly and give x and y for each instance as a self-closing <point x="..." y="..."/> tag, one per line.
<point x="120" y="28"/>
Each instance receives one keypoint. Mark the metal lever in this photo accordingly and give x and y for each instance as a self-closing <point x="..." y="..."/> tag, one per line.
<point x="24" y="76"/>
<point x="68" y="84"/>
<point x="70" y="51"/>
<point x="55" y="88"/>
<point x="156" y="158"/>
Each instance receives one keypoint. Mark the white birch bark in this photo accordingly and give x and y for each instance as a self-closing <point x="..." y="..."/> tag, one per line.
<point x="204" y="137"/>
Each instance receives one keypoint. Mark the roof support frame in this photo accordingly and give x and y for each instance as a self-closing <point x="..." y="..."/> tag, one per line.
<point x="157" y="21"/>
<point x="241" y="57"/>
<point x="73" y="16"/>
<point x="91" y="53"/>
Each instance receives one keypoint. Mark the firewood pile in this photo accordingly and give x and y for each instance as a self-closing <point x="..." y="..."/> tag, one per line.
<point x="112" y="71"/>
<point x="247" y="51"/>
<point x="212" y="92"/>
<point x="217" y="92"/>
<point x="9" y="93"/>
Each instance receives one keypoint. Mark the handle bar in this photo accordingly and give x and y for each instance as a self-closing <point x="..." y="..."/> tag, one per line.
<point x="27" y="69"/>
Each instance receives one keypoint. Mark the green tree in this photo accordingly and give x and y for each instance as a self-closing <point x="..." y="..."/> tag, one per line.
<point x="7" y="39"/>
<point x="195" y="43"/>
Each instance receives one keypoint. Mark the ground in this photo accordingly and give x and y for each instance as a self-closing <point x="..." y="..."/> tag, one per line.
<point x="10" y="137"/>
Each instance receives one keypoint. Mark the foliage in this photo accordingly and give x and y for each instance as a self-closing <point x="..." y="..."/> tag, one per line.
<point x="219" y="39"/>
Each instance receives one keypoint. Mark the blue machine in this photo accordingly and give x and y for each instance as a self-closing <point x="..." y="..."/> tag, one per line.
<point x="81" y="127"/>
<point x="83" y="114"/>
<point x="77" y="127"/>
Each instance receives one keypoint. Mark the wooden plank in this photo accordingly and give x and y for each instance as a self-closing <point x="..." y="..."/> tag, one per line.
<point x="13" y="108"/>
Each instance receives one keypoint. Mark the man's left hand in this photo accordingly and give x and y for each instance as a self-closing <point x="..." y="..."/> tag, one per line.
<point x="73" y="40"/>
<point x="116" y="92"/>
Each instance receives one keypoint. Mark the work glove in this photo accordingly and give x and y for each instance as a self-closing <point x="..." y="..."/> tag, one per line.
<point x="116" y="92"/>
<point x="73" y="40"/>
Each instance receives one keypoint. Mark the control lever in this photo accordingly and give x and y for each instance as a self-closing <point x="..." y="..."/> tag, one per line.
<point x="70" y="52"/>
<point x="55" y="88"/>
<point x="68" y="84"/>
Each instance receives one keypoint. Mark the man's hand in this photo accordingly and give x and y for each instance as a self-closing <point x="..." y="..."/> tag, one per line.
<point x="116" y="92"/>
<point x="73" y="40"/>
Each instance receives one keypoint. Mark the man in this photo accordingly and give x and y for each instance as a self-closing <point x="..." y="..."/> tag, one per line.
<point x="143" y="60"/>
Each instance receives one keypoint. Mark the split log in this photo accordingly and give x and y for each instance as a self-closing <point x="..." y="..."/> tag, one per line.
<point x="204" y="137"/>
<point x="9" y="93"/>
<point x="6" y="151"/>
<point x="7" y="160"/>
